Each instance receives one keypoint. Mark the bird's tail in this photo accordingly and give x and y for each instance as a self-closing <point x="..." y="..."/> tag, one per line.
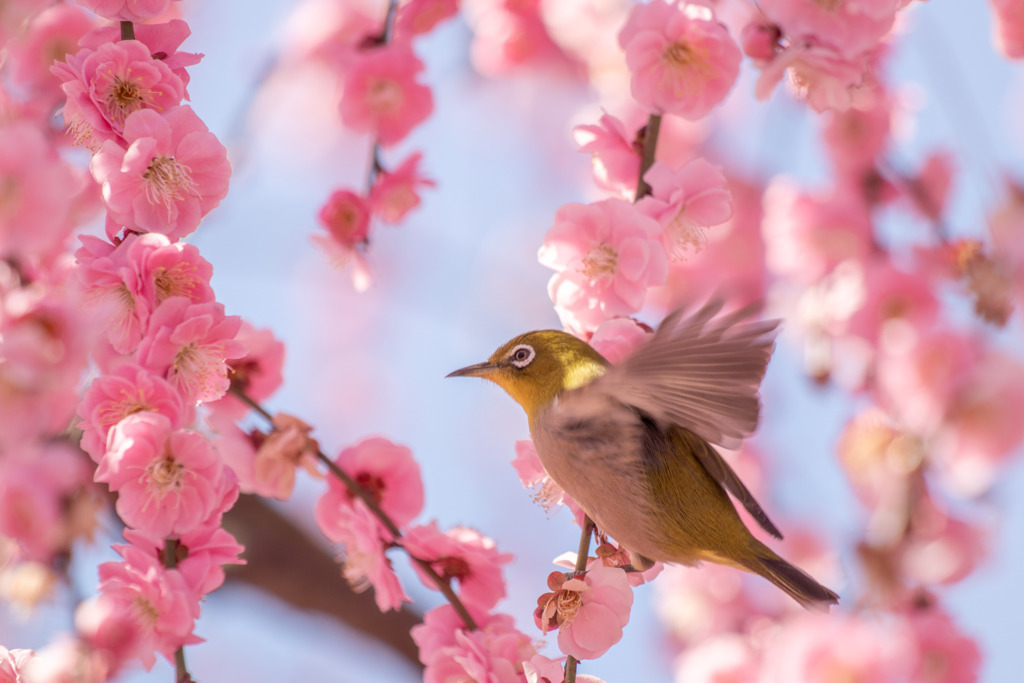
<point x="794" y="581"/>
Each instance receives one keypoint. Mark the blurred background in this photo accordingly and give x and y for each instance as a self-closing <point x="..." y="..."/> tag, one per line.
<point x="460" y="276"/>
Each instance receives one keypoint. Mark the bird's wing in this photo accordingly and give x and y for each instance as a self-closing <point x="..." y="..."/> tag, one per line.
<point x="701" y="373"/>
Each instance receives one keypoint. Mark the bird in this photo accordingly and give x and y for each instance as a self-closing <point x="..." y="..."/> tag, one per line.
<point x="632" y="442"/>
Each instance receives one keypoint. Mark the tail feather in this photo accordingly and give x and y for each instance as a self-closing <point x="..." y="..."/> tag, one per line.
<point x="795" y="582"/>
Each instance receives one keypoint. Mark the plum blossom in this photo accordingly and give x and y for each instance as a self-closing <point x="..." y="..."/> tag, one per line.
<point x="540" y="669"/>
<point x="173" y="173"/>
<point x="106" y="85"/>
<point x="201" y="553"/>
<point x="158" y="601"/>
<point x="51" y="35"/>
<point x="720" y="658"/>
<point x="127" y="10"/>
<point x="288" y="447"/>
<point x="417" y="17"/>
<point x="605" y="255"/>
<point x="462" y="554"/>
<point x="168" y="481"/>
<point x="381" y="95"/>
<point x="851" y="26"/>
<point x="686" y="201"/>
<point x="190" y="344"/>
<point x="548" y="494"/>
<point x="589" y="611"/>
<point x="109" y="632"/>
<point x="1008" y="29"/>
<point x="945" y="654"/>
<point x="395" y="193"/>
<point x="346" y="215"/>
<point x="495" y="652"/>
<point x="12" y="664"/>
<point x="682" y="60"/>
<point x="614" y="153"/>
<point x="618" y="338"/>
<point x="257" y="374"/>
<point x="127" y="390"/>
<point x="364" y="562"/>
<point x="163" y="41"/>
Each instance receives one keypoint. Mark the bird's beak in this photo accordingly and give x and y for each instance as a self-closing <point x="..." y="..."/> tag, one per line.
<point x="478" y="370"/>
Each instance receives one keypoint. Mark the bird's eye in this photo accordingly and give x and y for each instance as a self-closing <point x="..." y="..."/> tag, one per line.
<point x="521" y="356"/>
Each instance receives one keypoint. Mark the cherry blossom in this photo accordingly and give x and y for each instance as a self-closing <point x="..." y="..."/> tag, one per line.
<point x="201" y="553"/>
<point x="163" y="41"/>
<point x="106" y="85"/>
<point x="51" y="35"/>
<point x="173" y="173"/>
<point x="614" y="153"/>
<point x="588" y="611"/>
<point x="257" y="374"/>
<point x="190" y="345"/>
<point x="364" y="563"/>
<point x="682" y="60"/>
<point x="381" y="95"/>
<point x="532" y="475"/>
<point x="462" y="554"/>
<point x="605" y="256"/>
<point x="851" y="26"/>
<point x="346" y="215"/>
<point x="395" y="193"/>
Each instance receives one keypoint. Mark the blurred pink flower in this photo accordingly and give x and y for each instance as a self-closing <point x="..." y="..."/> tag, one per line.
<point x="890" y="296"/>
<point x="462" y="554"/>
<point x="508" y="36"/>
<point x="851" y="26"/>
<point x="35" y="206"/>
<point x="386" y="471"/>
<point x="929" y="191"/>
<point x="605" y="255"/>
<point x="878" y="457"/>
<point x="288" y="447"/>
<point x="682" y="60"/>
<point x="939" y="549"/>
<point x="50" y="36"/>
<point x="12" y="664"/>
<point x="106" y="85"/>
<point x="381" y="95"/>
<point x="614" y="153"/>
<point x="820" y="75"/>
<point x="174" y="172"/>
<point x="618" y="338"/>
<point x="723" y="658"/>
<point x="346" y="215"/>
<point x="589" y="611"/>
<point x="364" y="562"/>
<point x="201" y="555"/>
<point x="129" y="389"/>
<point x="686" y="201"/>
<point x="1008" y="28"/>
<point x="127" y="10"/>
<point x="158" y="601"/>
<point x="806" y="235"/>
<point x="531" y="473"/>
<point x="109" y="631"/>
<point x="494" y="653"/>
<point x="257" y="374"/>
<point x="417" y="17"/>
<point x="190" y="345"/>
<point x="856" y="138"/>
<point x="396" y="193"/>
<point x="168" y="481"/>
<point x="540" y="669"/>
<point x="946" y="654"/>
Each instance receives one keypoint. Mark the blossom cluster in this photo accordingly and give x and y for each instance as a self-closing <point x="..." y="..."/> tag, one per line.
<point x="383" y="97"/>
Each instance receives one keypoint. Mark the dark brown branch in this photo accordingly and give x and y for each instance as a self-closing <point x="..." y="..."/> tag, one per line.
<point x="582" y="553"/>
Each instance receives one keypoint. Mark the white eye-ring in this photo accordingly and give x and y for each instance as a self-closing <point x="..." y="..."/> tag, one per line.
<point x="521" y="356"/>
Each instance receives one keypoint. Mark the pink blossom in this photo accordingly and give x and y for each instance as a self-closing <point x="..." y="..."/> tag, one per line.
<point x="173" y="173"/>
<point x="110" y="633"/>
<point x="190" y="345"/>
<point x="158" y="600"/>
<point x="395" y="193"/>
<point x="51" y="35"/>
<point x="35" y="206"/>
<point x="605" y="255"/>
<point x="288" y="447"/>
<point x="64" y="660"/>
<point x="682" y="60"/>
<point x="852" y="26"/>
<point x="12" y="664"/>
<point x="946" y="654"/>
<point x="387" y="472"/>
<point x="257" y="374"/>
<point x="168" y="481"/>
<point x="463" y="554"/>
<point x="939" y="548"/>
<point x="929" y="191"/>
<point x="129" y="389"/>
<point x="618" y="338"/>
<point x="364" y="562"/>
<point x="722" y="658"/>
<point x="127" y="10"/>
<point x="417" y="17"/>
<point x="888" y="296"/>
<point x="531" y="473"/>
<point x="162" y="39"/>
<point x="128" y="281"/>
<point x="855" y="138"/>
<point x="819" y="75"/>
<point x="346" y="215"/>
<point x="806" y="235"/>
<point x="201" y="553"/>
<point x="878" y="456"/>
<point x="508" y="36"/>
<point x="106" y="85"/>
<point x="495" y="652"/>
<point x="589" y="611"/>
<point x="614" y="153"/>
<point x="686" y="201"/>
<point x="804" y="649"/>
<point x="1008" y="29"/>
<point x="381" y="95"/>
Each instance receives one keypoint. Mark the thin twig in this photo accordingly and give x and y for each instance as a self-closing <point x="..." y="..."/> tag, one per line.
<point x="582" y="554"/>
<point x="650" y="134"/>
<point x="181" y="674"/>
<point x="127" y="30"/>
<point x="359" y="492"/>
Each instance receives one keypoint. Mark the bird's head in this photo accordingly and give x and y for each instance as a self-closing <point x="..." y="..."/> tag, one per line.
<point x="537" y="366"/>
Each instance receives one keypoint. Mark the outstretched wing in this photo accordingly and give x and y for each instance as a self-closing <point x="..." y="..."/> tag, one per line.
<point x="702" y="373"/>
